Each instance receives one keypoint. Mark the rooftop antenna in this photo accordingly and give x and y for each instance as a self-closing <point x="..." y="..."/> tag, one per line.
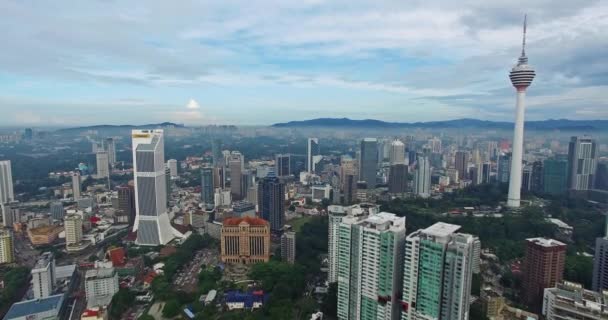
<point x="523" y="45"/>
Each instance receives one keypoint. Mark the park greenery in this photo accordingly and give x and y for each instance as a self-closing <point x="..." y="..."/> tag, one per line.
<point x="15" y="280"/>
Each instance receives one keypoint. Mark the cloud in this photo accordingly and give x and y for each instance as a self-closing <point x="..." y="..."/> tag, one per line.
<point x="193" y="105"/>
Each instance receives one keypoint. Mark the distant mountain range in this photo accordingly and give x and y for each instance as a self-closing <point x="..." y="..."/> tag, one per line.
<point x="560" y="124"/>
<point x="123" y="127"/>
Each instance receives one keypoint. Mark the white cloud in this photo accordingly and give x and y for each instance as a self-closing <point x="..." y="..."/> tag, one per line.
<point x="193" y="105"/>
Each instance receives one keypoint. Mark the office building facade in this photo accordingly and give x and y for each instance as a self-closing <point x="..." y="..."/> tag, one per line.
<point x="103" y="164"/>
<point x="543" y="267"/>
<point x="207" y="197"/>
<point x="43" y="276"/>
<point x="569" y="300"/>
<point x="461" y="164"/>
<point x="73" y="229"/>
<point x="600" y="262"/>
<point x="288" y="247"/>
<point x="245" y="240"/>
<point x="582" y="161"/>
<point x="235" y="163"/>
<point x="422" y="177"/>
<point x="151" y="218"/>
<point x="7" y="246"/>
<point x="397" y="153"/>
<point x="555" y="176"/>
<point x="6" y="182"/>
<point x="76" y="185"/>
<point x="172" y="165"/>
<point x="368" y="161"/>
<point x="397" y="179"/>
<point x="271" y="202"/>
<point x="312" y="149"/>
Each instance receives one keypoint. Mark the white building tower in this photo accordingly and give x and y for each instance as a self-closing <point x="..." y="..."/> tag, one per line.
<point x="521" y="76"/>
<point x="151" y="218"/>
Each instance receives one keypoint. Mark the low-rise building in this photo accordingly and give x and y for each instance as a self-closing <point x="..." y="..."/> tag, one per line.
<point x="236" y="300"/>
<point x="569" y="300"/>
<point x="498" y="309"/>
<point x="100" y="285"/>
<point x="51" y="307"/>
<point x="44" y="235"/>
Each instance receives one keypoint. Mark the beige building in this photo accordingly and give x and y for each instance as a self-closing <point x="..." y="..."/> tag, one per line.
<point x="498" y="309"/>
<point x="44" y="235"/>
<point x="6" y="246"/>
<point x="73" y="231"/>
<point x="245" y="240"/>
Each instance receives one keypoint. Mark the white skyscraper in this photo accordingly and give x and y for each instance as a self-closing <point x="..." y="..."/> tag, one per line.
<point x="110" y="147"/>
<point x="422" y="178"/>
<point x="172" y="164"/>
<point x="312" y="150"/>
<point x="437" y="273"/>
<point x="151" y="218"/>
<point x="73" y="229"/>
<point x="521" y="76"/>
<point x="6" y="182"/>
<point x="43" y="276"/>
<point x="397" y="153"/>
<point x="103" y="164"/>
<point x="370" y="266"/>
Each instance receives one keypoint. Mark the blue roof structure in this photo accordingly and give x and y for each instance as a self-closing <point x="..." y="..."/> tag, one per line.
<point x="248" y="298"/>
<point x="31" y="307"/>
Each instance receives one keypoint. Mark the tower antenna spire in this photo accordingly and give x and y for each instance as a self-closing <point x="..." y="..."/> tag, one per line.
<point x="523" y="44"/>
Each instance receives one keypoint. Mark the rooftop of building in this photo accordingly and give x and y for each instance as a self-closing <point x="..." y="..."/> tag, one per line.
<point x="383" y="220"/>
<point x="62" y="272"/>
<point x="574" y="293"/>
<point x="99" y="273"/>
<point x="441" y="229"/>
<point x="252" y="221"/>
<point x="43" y="260"/>
<point x="30" y="307"/>
<point x="546" y="242"/>
<point x="43" y="230"/>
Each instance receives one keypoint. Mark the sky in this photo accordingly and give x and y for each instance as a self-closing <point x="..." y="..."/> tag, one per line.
<point x="65" y="63"/>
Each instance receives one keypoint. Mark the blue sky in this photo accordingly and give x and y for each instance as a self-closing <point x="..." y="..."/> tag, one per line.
<point x="260" y="62"/>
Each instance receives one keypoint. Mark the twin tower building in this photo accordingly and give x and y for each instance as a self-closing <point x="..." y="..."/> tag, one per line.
<point x="383" y="274"/>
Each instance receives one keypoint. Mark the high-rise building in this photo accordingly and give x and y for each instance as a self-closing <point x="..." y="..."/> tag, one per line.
<point x="236" y="175"/>
<point x="172" y="165"/>
<point x="422" y="177"/>
<point x="536" y="183"/>
<point x="555" y="176"/>
<point x="216" y="150"/>
<point x="219" y="178"/>
<point x="569" y="300"/>
<point x="100" y="285"/>
<point x="313" y="149"/>
<point x="397" y="178"/>
<point x="43" y="276"/>
<point x="271" y="201"/>
<point x="28" y="134"/>
<point x="245" y="240"/>
<point x="151" y="218"/>
<point x="56" y="208"/>
<point x="434" y="144"/>
<point x="582" y="161"/>
<point x="368" y="161"/>
<point x="461" y="163"/>
<point x="526" y="178"/>
<point x="6" y="182"/>
<point x="370" y="266"/>
<point x="397" y="152"/>
<point x="76" y="185"/>
<point x="288" y="246"/>
<point x="282" y="165"/>
<point x="336" y="214"/>
<point x="437" y="273"/>
<point x="8" y="215"/>
<point x="504" y="168"/>
<point x="601" y="176"/>
<point x="600" y="262"/>
<point x="486" y="170"/>
<point x="7" y="249"/>
<point x="73" y="230"/>
<point x="349" y="188"/>
<point x="103" y="164"/>
<point x="521" y="77"/>
<point x="126" y="204"/>
<point x="207" y="197"/>
<point x="110" y="147"/>
<point x="543" y="267"/>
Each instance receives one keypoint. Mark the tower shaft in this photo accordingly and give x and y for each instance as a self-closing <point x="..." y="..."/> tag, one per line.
<point x="513" y="198"/>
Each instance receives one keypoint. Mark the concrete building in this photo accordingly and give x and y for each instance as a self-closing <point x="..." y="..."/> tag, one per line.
<point x="461" y="163"/>
<point x="271" y="202"/>
<point x="582" y="162"/>
<point x="336" y="214"/>
<point x="543" y="267"/>
<point x="368" y="161"/>
<point x="126" y="204"/>
<point x="312" y="149"/>
<point x="243" y="209"/>
<point x="110" y="147"/>
<point x="6" y="182"/>
<point x="370" y="266"/>
<point x="216" y="150"/>
<point x="103" y="164"/>
<point x="245" y="240"/>
<point x="100" y="285"/>
<point x="235" y="163"/>
<point x="73" y="231"/>
<point x="498" y="309"/>
<point x="282" y="165"/>
<point x="397" y="153"/>
<point x="43" y="276"/>
<point x="397" y="179"/>
<point x="151" y="218"/>
<point x="76" y="185"/>
<point x="51" y="307"/>
<point x="56" y="208"/>
<point x="600" y="262"/>
<point x="7" y="248"/>
<point x="422" y="177"/>
<point x="288" y="246"/>
<point x="568" y="300"/>
<point x="437" y="273"/>
<point x="504" y="168"/>
<point x="172" y="165"/>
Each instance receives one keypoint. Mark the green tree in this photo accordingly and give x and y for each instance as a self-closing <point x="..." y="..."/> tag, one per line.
<point x="146" y="317"/>
<point x="579" y="269"/>
<point x="121" y="302"/>
<point x="171" y="309"/>
<point x="329" y="307"/>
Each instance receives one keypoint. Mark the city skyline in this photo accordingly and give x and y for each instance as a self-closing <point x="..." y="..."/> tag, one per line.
<point x="207" y="64"/>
